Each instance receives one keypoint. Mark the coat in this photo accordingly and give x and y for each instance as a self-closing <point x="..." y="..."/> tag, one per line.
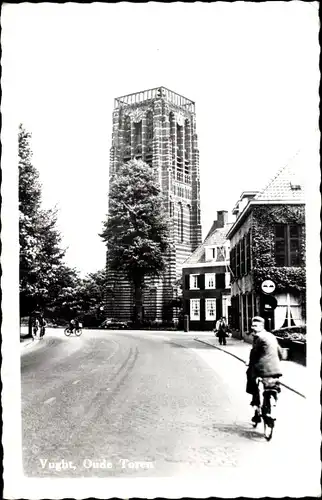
<point x="265" y="356"/>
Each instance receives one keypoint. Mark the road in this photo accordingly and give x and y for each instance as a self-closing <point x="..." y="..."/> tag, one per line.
<point x="152" y="404"/>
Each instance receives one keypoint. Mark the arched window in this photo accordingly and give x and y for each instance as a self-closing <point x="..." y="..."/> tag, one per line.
<point x="180" y="222"/>
<point x="138" y="133"/>
<point x="127" y="131"/>
<point x="149" y="125"/>
<point x="189" y="224"/>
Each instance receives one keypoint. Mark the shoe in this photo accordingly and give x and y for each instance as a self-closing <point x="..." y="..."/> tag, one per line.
<point x="256" y="418"/>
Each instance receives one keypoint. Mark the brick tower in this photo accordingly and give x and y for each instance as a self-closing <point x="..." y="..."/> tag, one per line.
<point x="159" y="127"/>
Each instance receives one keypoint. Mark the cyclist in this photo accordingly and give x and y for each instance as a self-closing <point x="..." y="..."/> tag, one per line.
<point x="264" y="362"/>
<point x="72" y="324"/>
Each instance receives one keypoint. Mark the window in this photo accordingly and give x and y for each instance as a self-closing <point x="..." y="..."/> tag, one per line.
<point x="247" y="251"/>
<point x="287" y="244"/>
<point x="189" y="227"/>
<point x="138" y="133"/>
<point x="233" y="262"/>
<point x="242" y="256"/>
<point x="210" y="309"/>
<point x="127" y="131"/>
<point x="220" y="280"/>
<point x="249" y="311"/>
<point x="194" y="281"/>
<point x="244" y="302"/>
<point x="149" y="125"/>
<point x="221" y="254"/>
<point x="195" y="309"/>
<point x="180" y="222"/>
<point x="227" y="280"/>
<point x="237" y="260"/>
<point x="210" y="280"/>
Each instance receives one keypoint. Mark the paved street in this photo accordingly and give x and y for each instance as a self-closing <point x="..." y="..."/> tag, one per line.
<point x="153" y="404"/>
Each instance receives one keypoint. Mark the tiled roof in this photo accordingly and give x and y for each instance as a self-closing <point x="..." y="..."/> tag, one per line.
<point x="216" y="237"/>
<point x="287" y="184"/>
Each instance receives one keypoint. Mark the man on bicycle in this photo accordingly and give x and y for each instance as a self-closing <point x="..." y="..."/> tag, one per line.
<point x="264" y="362"/>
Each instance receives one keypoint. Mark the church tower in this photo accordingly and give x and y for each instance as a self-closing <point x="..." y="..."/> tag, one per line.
<point x="159" y="127"/>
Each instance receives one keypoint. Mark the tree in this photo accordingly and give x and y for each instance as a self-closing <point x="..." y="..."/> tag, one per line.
<point x="136" y="230"/>
<point x="39" y="239"/>
<point x="90" y="296"/>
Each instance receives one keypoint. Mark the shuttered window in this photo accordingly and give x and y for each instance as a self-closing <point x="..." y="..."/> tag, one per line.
<point x="220" y="280"/>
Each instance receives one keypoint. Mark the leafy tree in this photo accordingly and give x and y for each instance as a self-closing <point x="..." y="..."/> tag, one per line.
<point x="136" y="229"/>
<point x="40" y="251"/>
<point x="63" y="300"/>
<point x="91" y="297"/>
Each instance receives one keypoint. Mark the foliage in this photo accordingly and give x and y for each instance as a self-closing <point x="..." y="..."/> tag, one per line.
<point x="263" y="252"/>
<point x="263" y="236"/>
<point x="39" y="239"/>
<point x="285" y="278"/>
<point x="91" y="296"/>
<point x="136" y="229"/>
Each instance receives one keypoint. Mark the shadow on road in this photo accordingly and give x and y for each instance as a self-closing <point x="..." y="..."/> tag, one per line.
<point x="242" y="430"/>
<point x="188" y="344"/>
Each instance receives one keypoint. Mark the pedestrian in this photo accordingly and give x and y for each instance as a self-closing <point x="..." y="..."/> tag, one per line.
<point x="222" y="330"/>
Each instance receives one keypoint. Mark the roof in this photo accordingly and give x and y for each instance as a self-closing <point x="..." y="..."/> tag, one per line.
<point x="215" y="238"/>
<point x="286" y="187"/>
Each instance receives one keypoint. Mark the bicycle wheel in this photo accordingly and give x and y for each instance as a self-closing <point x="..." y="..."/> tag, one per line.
<point x="268" y="428"/>
<point x="78" y="332"/>
<point x="269" y="422"/>
<point x="67" y="332"/>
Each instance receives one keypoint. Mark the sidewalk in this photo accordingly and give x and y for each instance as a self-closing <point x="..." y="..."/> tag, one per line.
<point x="294" y="374"/>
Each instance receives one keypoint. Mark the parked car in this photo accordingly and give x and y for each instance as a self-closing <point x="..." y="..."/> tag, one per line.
<point x="114" y="324"/>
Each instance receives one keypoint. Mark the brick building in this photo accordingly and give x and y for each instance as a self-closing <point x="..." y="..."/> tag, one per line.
<point x="206" y="278"/>
<point x="159" y="127"/>
<point x="267" y="242"/>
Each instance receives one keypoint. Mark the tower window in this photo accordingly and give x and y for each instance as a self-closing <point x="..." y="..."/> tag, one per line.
<point x="127" y="131"/>
<point x="149" y="125"/>
<point x="138" y="133"/>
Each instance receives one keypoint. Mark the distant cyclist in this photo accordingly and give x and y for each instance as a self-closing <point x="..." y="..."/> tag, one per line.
<point x="264" y="362"/>
<point x="72" y="324"/>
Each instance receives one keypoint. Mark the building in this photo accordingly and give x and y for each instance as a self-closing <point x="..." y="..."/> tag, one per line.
<point x="159" y="127"/>
<point x="206" y="278"/>
<point x="267" y="242"/>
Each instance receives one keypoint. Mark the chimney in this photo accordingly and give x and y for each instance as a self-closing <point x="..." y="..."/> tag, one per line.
<point x="222" y="218"/>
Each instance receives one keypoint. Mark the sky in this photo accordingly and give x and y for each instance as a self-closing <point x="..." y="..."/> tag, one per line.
<point x="252" y="70"/>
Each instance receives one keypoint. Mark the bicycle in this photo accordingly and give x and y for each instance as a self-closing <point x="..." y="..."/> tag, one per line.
<point x="69" y="331"/>
<point x="268" y="397"/>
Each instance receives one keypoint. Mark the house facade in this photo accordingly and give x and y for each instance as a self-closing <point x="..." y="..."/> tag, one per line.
<point x="267" y="255"/>
<point x="206" y="278"/>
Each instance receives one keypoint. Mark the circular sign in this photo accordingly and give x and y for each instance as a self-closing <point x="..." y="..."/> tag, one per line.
<point x="268" y="286"/>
